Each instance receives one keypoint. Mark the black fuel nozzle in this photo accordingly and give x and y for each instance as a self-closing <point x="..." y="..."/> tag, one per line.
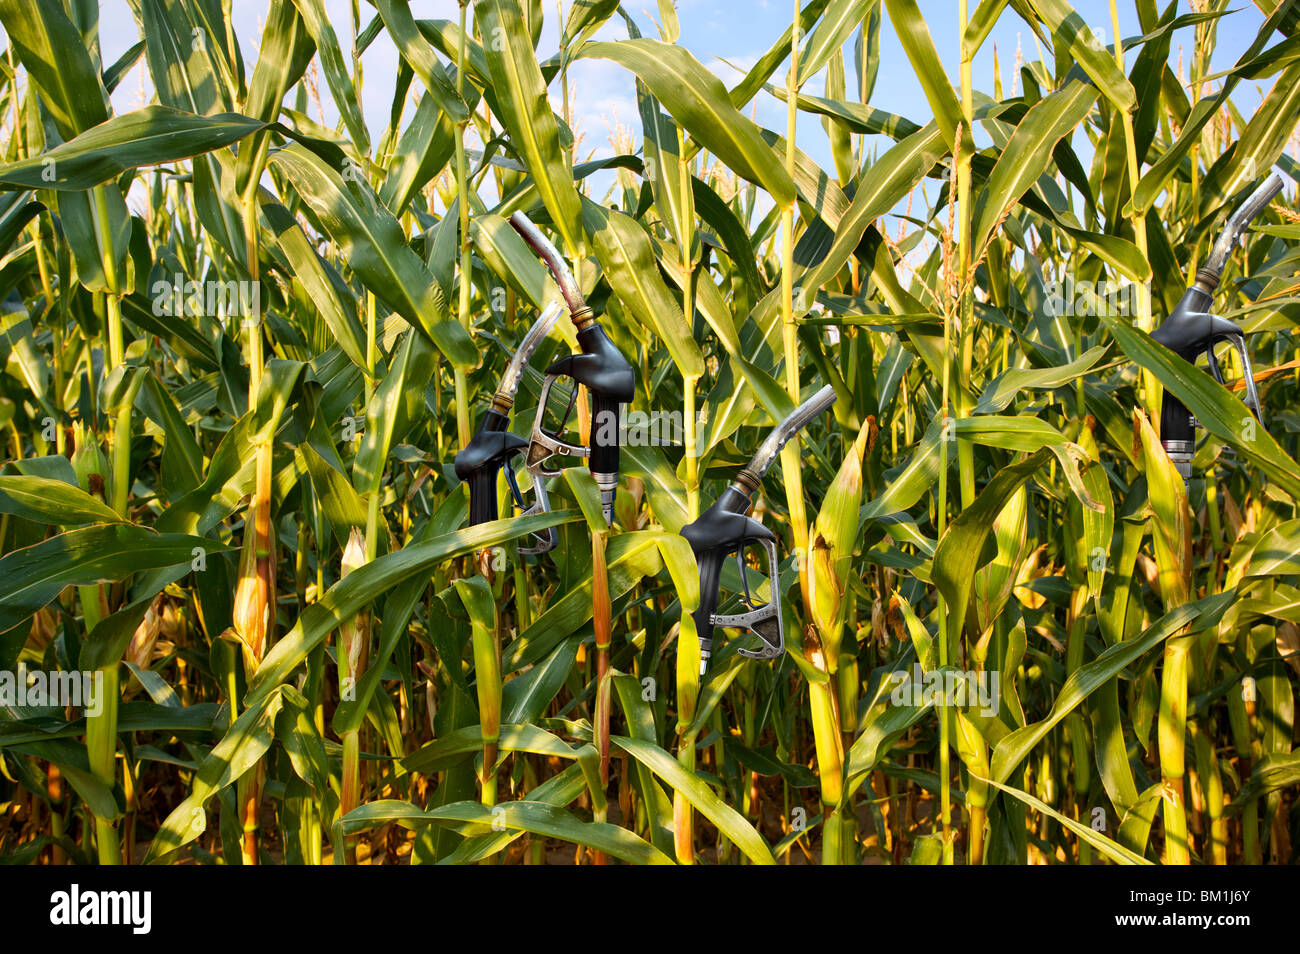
<point x="477" y="464"/>
<point x="600" y="367"/>
<point x="494" y="447"/>
<point x="726" y="528"/>
<point x="1190" y="330"/>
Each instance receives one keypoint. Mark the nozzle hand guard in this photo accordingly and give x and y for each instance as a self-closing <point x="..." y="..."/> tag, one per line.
<point x="542" y="444"/>
<point x="545" y="540"/>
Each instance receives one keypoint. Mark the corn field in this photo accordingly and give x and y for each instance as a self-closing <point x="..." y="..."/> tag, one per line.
<point x="245" y="617"/>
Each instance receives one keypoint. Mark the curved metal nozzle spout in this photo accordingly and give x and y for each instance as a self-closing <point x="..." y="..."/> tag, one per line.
<point x="781" y="434"/>
<point x="1209" y="273"/>
<point x="509" y="385"/>
<point x="579" y="312"/>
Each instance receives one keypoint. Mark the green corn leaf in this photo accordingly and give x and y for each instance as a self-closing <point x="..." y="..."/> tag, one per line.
<point x="767" y="64"/>
<point x="641" y="725"/>
<point x="351" y="594"/>
<point x="698" y="101"/>
<point x="509" y="257"/>
<point x="630" y="557"/>
<point x="1029" y="435"/>
<point x="1276" y="553"/>
<point x="884" y="725"/>
<point x="664" y="488"/>
<point x="1023" y="157"/>
<point x="1113" y="850"/>
<point x="1261" y="143"/>
<point x="417" y="52"/>
<point x="1000" y="392"/>
<point x="411" y="369"/>
<point x="1013" y="747"/>
<point x="182" y="459"/>
<point x="102" y="553"/>
<point x="890" y="179"/>
<point x="422" y="152"/>
<point x="914" y="36"/>
<point x="548" y="821"/>
<point x="957" y="556"/>
<point x="52" y="501"/>
<point x="679" y="559"/>
<point x="585" y="18"/>
<point x="665" y="169"/>
<point x="1087" y="50"/>
<point x="336" y="75"/>
<point x="242" y="747"/>
<point x="525" y="112"/>
<point x="398" y="607"/>
<point x="339" y="502"/>
<point x="89" y="234"/>
<point x="185" y="48"/>
<point x="1098" y="527"/>
<point x="559" y="789"/>
<point x="145" y="137"/>
<point x="855" y="117"/>
<point x="70" y="757"/>
<point x="376" y="250"/>
<point x="1215" y="408"/>
<point x="296" y="731"/>
<point x="1152" y="184"/>
<point x="50" y="47"/>
<point x="627" y="259"/>
<point x="457" y="745"/>
<point x="446" y="39"/>
<point x="336" y="310"/>
<point x="525" y="698"/>
<point x="286" y="50"/>
<point x="916" y="477"/>
<point x="841" y="18"/>
<point x="1273" y="773"/>
<point x="718" y="216"/>
<point x="715" y="689"/>
<point x="981" y="23"/>
<point x="728" y="820"/>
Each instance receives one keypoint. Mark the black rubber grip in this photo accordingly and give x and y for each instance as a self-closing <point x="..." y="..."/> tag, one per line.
<point x="710" y="565"/>
<point x="482" y="497"/>
<point x="477" y="464"/>
<point x="606" y="414"/>
<point x="1175" y="419"/>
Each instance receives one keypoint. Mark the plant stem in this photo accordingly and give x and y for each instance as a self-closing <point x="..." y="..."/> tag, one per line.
<point x="101" y="728"/>
<point x="1172" y="733"/>
<point x="1207" y="768"/>
<point x="602" y="623"/>
<point x="487" y="675"/>
<point x="1151" y="387"/>
<point x="966" y="304"/>
<point x="790" y="465"/>
<point x="965" y="450"/>
<point x="685" y="234"/>
<point x="258" y="514"/>
<point x="688" y="689"/>
<point x="462" y="206"/>
<point x="825" y="723"/>
<point x="101" y="750"/>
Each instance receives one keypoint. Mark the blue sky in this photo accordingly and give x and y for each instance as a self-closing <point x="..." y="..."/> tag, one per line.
<point x="717" y="33"/>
